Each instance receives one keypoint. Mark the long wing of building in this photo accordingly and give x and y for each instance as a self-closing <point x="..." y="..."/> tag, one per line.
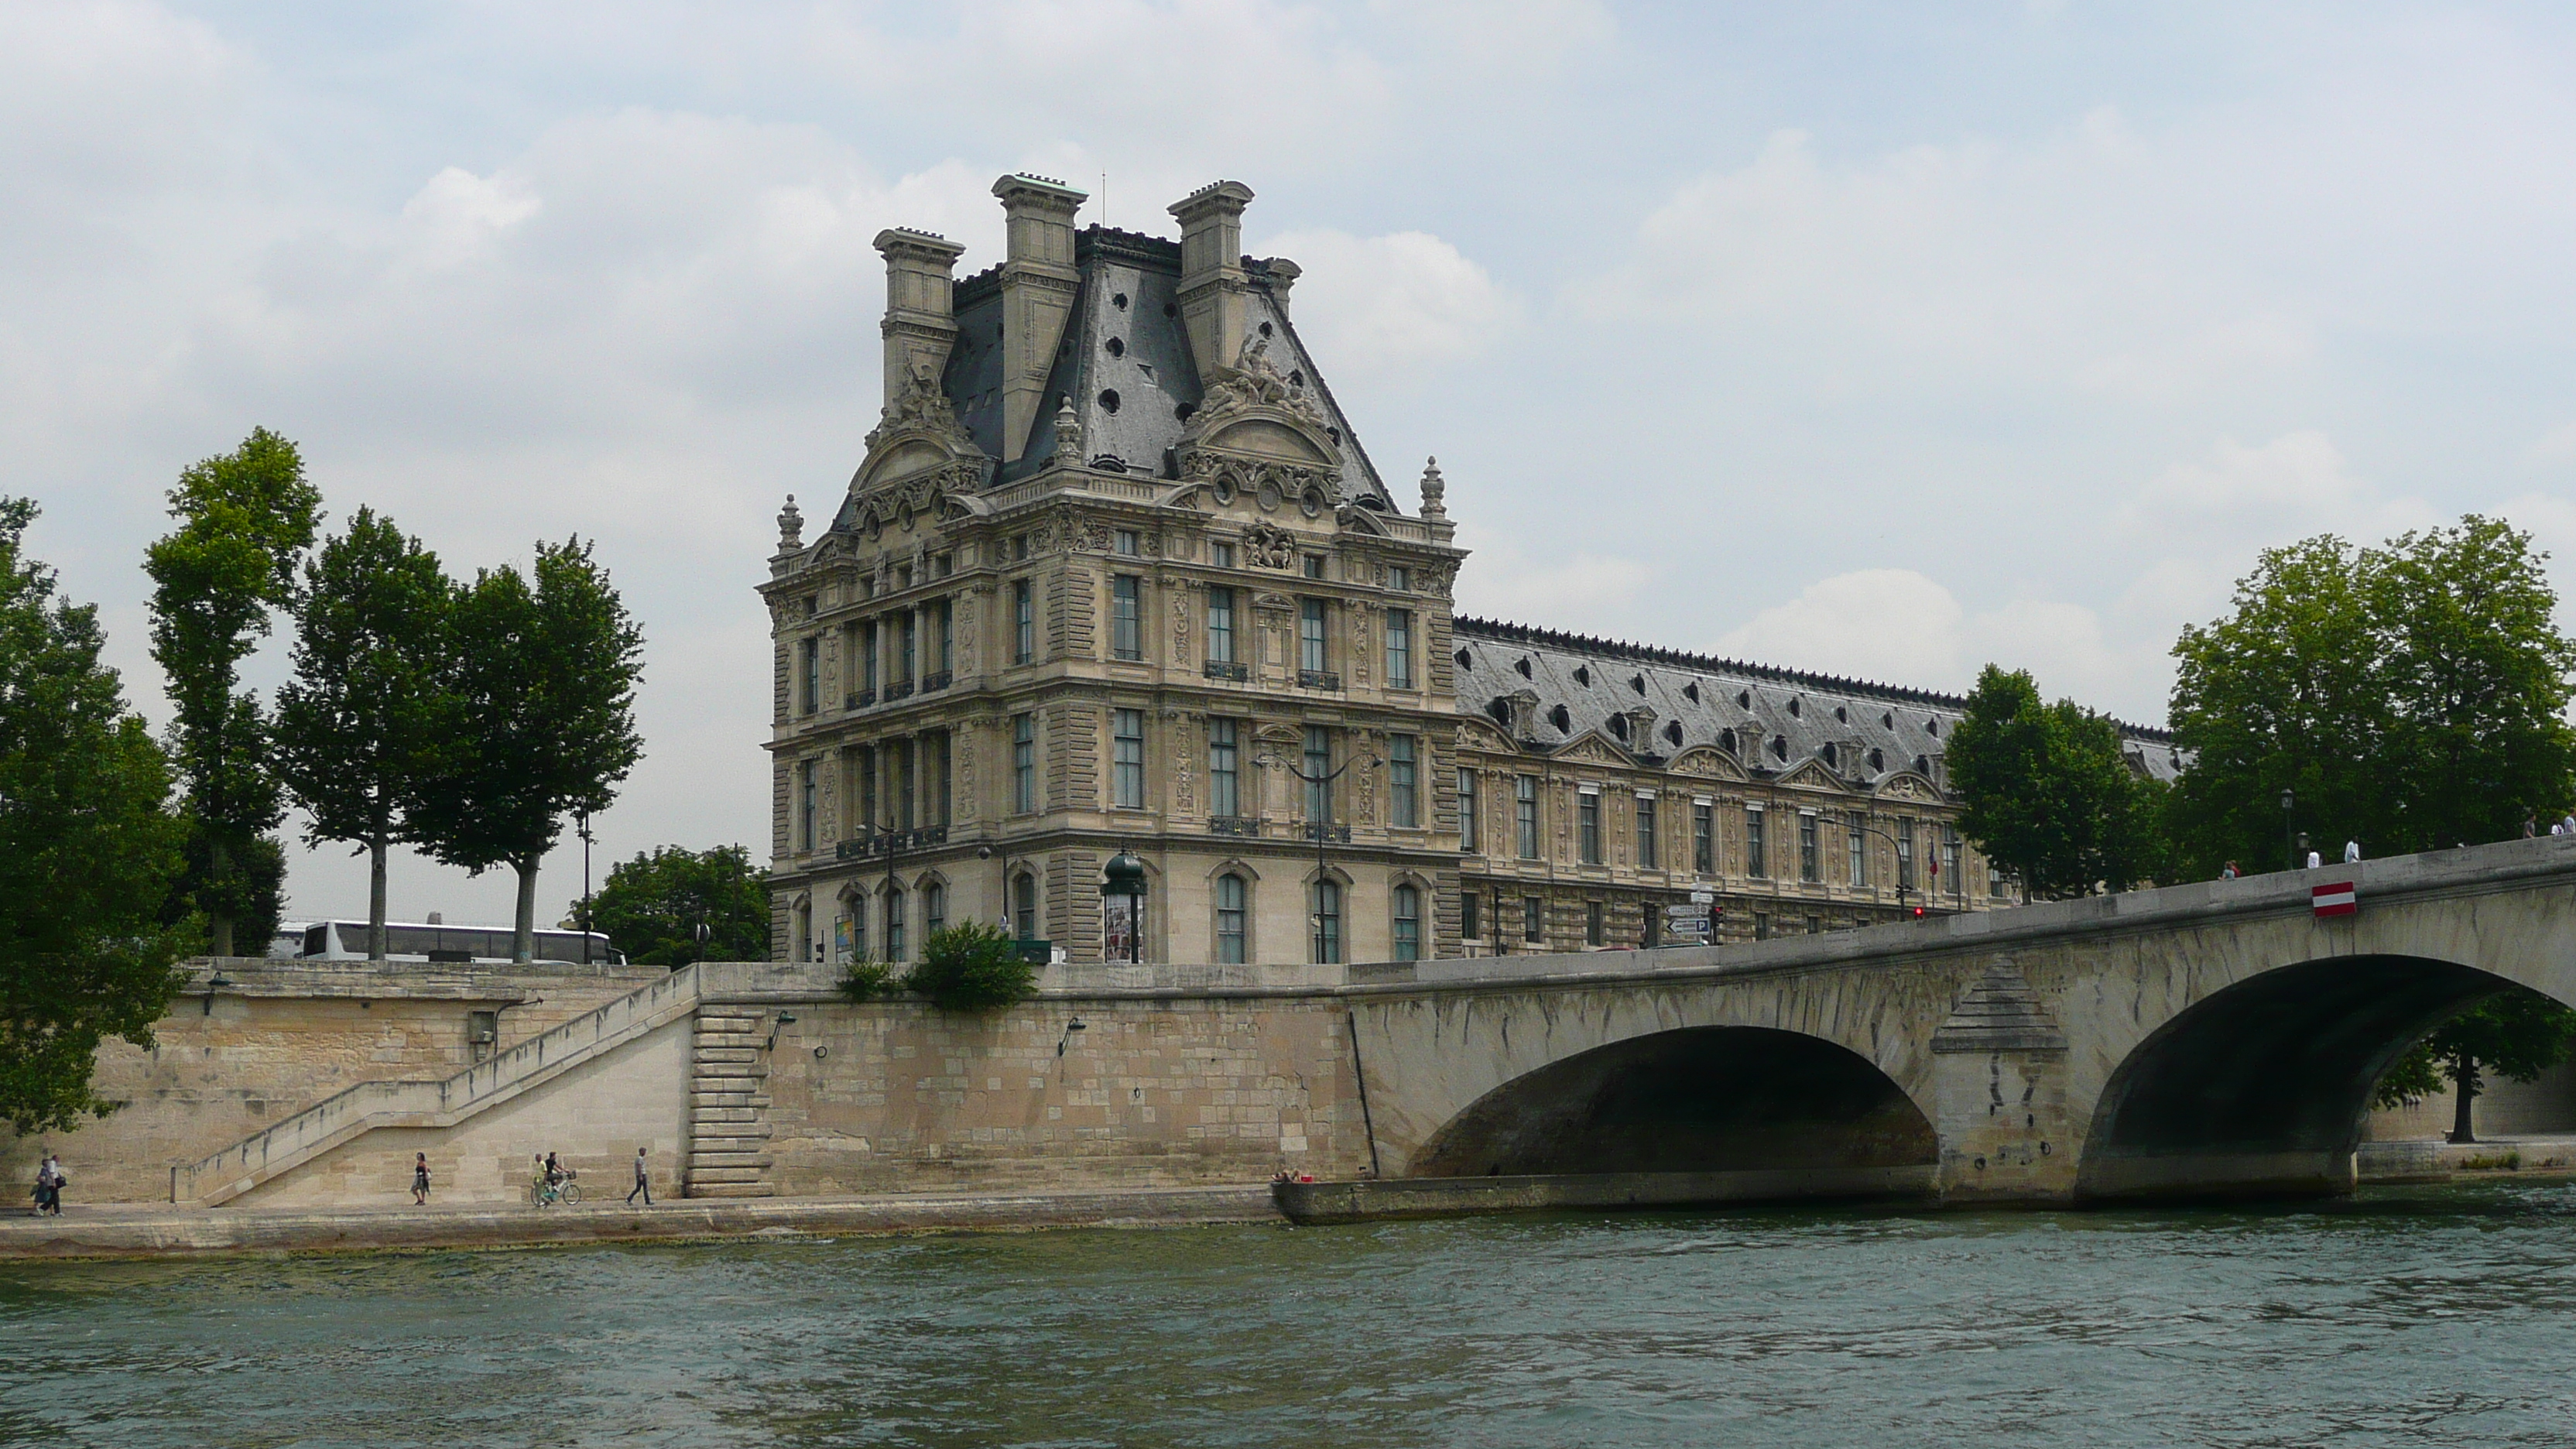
<point x="1116" y="576"/>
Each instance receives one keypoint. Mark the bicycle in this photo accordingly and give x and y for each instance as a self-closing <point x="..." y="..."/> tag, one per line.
<point x="546" y="1194"/>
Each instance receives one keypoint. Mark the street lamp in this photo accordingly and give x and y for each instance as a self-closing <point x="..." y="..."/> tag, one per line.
<point x="214" y="983"/>
<point x="1123" y="880"/>
<point x="2289" y="843"/>
<point x="1904" y="851"/>
<point x="1322" y="825"/>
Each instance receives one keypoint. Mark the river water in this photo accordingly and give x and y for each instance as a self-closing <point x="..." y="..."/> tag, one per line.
<point x="2440" y="1315"/>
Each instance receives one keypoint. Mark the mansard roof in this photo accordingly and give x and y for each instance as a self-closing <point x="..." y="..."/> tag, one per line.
<point x="1125" y="341"/>
<point x="1771" y="719"/>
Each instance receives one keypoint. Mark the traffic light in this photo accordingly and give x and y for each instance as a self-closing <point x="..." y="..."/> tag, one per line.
<point x="1918" y="913"/>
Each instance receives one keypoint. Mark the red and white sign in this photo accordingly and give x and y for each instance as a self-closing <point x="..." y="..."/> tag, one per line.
<point x="2333" y="900"/>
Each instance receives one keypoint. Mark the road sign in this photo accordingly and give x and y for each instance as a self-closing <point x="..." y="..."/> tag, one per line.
<point x="1697" y="924"/>
<point x="2335" y="900"/>
<point x="1703" y="897"/>
<point x="1677" y="912"/>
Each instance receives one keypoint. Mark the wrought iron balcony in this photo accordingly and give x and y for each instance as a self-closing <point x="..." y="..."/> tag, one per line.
<point x="1318" y="679"/>
<point x="900" y="689"/>
<point x="1217" y="669"/>
<point x="1234" y="825"/>
<point x="881" y="842"/>
<point x="940" y="680"/>
<point x="1334" y="834"/>
<point x="859" y="699"/>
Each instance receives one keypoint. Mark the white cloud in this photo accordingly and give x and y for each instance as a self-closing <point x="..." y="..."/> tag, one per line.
<point x="1380" y="309"/>
<point x="1887" y="624"/>
<point x="2295" y="471"/>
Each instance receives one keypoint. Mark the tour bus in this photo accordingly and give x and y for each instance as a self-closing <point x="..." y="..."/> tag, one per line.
<point x="439" y="942"/>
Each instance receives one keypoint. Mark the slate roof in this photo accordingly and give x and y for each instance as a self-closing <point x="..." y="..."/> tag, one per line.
<point x="1124" y="341"/>
<point x="1772" y="719"/>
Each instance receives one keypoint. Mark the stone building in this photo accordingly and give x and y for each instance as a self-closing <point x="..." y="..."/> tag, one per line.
<point x="1117" y="574"/>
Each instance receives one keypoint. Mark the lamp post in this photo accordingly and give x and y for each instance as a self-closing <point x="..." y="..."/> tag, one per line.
<point x="583" y="816"/>
<point x="1893" y="846"/>
<point x="2289" y="843"/>
<point x="1123" y="878"/>
<point x="1322" y="826"/>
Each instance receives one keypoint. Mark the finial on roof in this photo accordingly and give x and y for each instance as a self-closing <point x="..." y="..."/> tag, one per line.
<point x="1434" y="492"/>
<point x="1068" y="434"/>
<point x="791" y="527"/>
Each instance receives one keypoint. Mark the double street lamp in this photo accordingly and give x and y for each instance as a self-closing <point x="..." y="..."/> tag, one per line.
<point x="1319" y="791"/>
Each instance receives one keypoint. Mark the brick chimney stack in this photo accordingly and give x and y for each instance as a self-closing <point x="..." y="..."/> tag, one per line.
<point x="1212" y="276"/>
<point x="1038" y="283"/>
<point x="920" y="323"/>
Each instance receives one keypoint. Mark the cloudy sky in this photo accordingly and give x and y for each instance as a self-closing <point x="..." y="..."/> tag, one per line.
<point x="1886" y="340"/>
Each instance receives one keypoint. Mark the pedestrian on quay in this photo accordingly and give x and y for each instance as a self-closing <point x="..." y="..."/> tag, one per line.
<point x="2315" y="860"/>
<point x="643" y="1184"/>
<point x="2352" y="852"/>
<point x="420" y="1178"/>
<point x="2230" y="872"/>
<point x="50" y="1183"/>
<point x="2530" y="826"/>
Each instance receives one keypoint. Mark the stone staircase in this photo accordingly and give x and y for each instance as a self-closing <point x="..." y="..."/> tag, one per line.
<point x="369" y="1106"/>
<point x="728" y="1100"/>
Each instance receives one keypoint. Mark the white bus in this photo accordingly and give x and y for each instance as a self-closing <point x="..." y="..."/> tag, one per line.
<point x="438" y="942"/>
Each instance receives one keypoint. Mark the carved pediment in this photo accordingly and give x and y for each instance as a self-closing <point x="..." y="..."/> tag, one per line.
<point x="1812" y="774"/>
<point x="1478" y="734"/>
<point x="1710" y="762"/>
<point x="918" y="434"/>
<point x="1593" y="749"/>
<point x="1907" y="785"/>
<point x="1250" y="414"/>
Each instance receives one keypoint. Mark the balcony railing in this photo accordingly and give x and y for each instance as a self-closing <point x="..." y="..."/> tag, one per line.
<point x="1318" y="679"/>
<point x="1217" y="669"/>
<point x="900" y="689"/>
<point x="940" y="680"/>
<point x="1234" y="825"/>
<point x="1334" y="834"/>
<point x="880" y="842"/>
<point x="859" y="699"/>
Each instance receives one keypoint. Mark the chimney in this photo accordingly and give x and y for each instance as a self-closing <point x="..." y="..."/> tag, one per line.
<point x="1212" y="277"/>
<point x="1038" y="280"/>
<point x="921" y="312"/>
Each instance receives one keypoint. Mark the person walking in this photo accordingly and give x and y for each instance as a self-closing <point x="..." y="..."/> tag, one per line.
<point x="643" y="1184"/>
<point x="2315" y="860"/>
<point x="2352" y="852"/>
<point x="50" y="1183"/>
<point x="2530" y="826"/>
<point x="420" y="1178"/>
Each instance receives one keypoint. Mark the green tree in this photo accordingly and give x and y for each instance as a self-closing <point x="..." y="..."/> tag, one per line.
<point x="2517" y="1033"/>
<point x="972" y="966"/>
<point x="2049" y="793"/>
<point x="651" y="907"/>
<point x="2409" y="697"/>
<point x="246" y="519"/>
<point x="367" y="720"/>
<point x="256" y="873"/>
<point x="544" y="687"/>
<point x="89" y="850"/>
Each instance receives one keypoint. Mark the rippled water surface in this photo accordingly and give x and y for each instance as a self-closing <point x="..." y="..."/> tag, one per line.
<point x="2411" y="1316"/>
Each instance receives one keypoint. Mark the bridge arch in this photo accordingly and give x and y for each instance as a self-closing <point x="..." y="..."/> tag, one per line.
<point x="2262" y="1087"/>
<point x="1702" y="1099"/>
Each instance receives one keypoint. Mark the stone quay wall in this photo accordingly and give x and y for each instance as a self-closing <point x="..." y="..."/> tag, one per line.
<point x="1177" y="1077"/>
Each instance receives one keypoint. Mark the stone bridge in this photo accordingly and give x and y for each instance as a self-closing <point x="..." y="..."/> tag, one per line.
<point x="2209" y="1039"/>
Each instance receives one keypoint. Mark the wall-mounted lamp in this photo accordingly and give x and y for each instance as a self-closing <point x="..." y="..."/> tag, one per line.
<point x="1070" y="1027"/>
<point x="821" y="1052"/>
<point x="214" y="983"/>
<point x="783" y="1020"/>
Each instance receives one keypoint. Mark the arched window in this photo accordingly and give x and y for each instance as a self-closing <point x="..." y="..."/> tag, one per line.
<point x="1230" y="895"/>
<point x="858" y="923"/>
<point x="934" y="907"/>
<point x="894" y="926"/>
<point x="800" y="927"/>
<point x="1328" y="923"/>
<point x="1408" y="923"/>
<point x="1024" y="906"/>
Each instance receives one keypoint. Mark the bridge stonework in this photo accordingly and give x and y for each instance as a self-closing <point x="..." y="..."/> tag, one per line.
<point x="2208" y="1039"/>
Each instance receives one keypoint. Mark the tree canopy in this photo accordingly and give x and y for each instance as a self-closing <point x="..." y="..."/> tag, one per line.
<point x="543" y="701"/>
<point x="2516" y="1033"/>
<point x="89" y="849"/>
<point x="2048" y="793"/>
<point x="245" y="521"/>
<point x="2411" y="696"/>
<point x="368" y="717"/>
<point x="650" y="907"/>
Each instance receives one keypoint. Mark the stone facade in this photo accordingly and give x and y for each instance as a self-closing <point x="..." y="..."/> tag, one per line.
<point x="1115" y="573"/>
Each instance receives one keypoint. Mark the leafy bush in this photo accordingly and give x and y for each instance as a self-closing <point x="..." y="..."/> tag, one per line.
<point x="867" y="980"/>
<point x="972" y="966"/>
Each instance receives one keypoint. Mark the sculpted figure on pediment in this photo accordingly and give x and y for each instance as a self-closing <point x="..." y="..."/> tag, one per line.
<point x="1269" y="546"/>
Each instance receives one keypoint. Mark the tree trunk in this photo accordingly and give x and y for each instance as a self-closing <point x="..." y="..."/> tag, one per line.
<point x="2464" y="1088"/>
<point x="219" y="923"/>
<point x="376" y="899"/>
<point x="523" y="945"/>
